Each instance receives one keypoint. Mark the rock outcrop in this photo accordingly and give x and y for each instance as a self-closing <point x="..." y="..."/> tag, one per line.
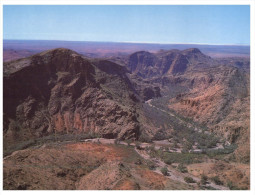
<point x="59" y="91"/>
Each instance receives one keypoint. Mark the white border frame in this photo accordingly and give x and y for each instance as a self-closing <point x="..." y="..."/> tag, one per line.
<point x="147" y="2"/>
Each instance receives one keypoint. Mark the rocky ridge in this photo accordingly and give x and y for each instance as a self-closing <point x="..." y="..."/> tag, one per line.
<point x="59" y="91"/>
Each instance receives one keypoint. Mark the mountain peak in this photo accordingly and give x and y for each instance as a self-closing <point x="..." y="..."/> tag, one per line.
<point x="58" y="51"/>
<point x="192" y="50"/>
<point x="142" y="53"/>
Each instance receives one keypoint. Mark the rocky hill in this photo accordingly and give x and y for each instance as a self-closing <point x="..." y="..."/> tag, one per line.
<point x="172" y="62"/>
<point x="59" y="91"/>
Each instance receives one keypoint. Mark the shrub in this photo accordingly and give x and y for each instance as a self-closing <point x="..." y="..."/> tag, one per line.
<point x="153" y="153"/>
<point x="137" y="145"/>
<point x="98" y="141"/>
<point x="151" y="165"/>
<point x="232" y="186"/>
<point x="129" y="142"/>
<point x="164" y="171"/>
<point x="217" y="180"/>
<point x="209" y="188"/>
<point x="92" y="135"/>
<point x="138" y="161"/>
<point x="160" y="135"/>
<point x="168" y="161"/>
<point x="161" y="148"/>
<point x="19" y="146"/>
<point x="187" y="146"/>
<point x="145" y="138"/>
<point x="184" y="151"/>
<point x="186" y="158"/>
<point x="182" y="168"/>
<point x="166" y="149"/>
<point x="175" y="144"/>
<point x="189" y="180"/>
<point x="212" y="143"/>
<point x="204" y="179"/>
<point x="227" y="150"/>
<point x="116" y="141"/>
<point x="150" y="148"/>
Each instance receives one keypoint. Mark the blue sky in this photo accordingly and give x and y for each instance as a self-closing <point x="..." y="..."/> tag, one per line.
<point x="210" y="24"/>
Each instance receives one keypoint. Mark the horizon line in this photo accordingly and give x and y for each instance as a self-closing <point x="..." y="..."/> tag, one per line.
<point x="137" y="42"/>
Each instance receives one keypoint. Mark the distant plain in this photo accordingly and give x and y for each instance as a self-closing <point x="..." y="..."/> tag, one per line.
<point x="15" y="49"/>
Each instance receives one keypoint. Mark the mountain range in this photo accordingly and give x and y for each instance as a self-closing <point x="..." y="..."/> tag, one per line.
<point x="182" y="95"/>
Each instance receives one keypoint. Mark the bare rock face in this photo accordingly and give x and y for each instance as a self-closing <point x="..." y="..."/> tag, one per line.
<point x="141" y="61"/>
<point x="213" y="95"/>
<point x="59" y="91"/>
<point x="219" y="98"/>
<point x="173" y="62"/>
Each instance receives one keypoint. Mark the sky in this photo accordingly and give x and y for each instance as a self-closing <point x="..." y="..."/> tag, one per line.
<point x="202" y="24"/>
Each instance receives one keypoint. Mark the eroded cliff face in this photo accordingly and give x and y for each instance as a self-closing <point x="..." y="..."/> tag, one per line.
<point x="219" y="99"/>
<point x="212" y="92"/>
<point x="59" y="91"/>
<point x="172" y="62"/>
